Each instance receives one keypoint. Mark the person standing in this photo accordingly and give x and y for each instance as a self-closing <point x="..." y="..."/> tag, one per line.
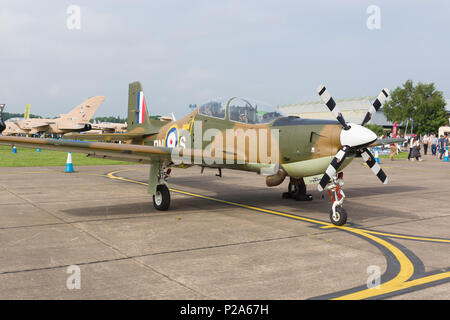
<point x="393" y="148"/>
<point x="411" y="144"/>
<point x="425" y="141"/>
<point x="415" y="152"/>
<point x="434" y="142"/>
<point x="442" y="145"/>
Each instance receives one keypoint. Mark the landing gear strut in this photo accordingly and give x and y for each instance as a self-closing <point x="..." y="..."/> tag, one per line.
<point x="297" y="190"/>
<point x="338" y="215"/>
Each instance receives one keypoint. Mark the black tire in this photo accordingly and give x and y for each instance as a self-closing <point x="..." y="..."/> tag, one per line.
<point x="341" y="216"/>
<point x="161" y="201"/>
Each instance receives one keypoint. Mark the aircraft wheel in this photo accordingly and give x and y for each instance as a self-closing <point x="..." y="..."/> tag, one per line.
<point x="340" y="217"/>
<point x="161" y="200"/>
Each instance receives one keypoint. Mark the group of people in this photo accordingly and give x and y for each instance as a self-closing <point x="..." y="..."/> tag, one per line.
<point x="428" y="141"/>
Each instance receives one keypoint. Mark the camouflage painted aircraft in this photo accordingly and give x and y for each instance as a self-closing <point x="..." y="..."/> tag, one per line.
<point x="234" y="134"/>
<point x="76" y="120"/>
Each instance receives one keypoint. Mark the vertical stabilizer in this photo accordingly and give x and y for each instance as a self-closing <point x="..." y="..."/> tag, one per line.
<point x="86" y="110"/>
<point x="138" y="110"/>
<point x="26" y="115"/>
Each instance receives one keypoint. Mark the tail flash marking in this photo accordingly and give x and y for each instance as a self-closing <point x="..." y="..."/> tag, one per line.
<point x="141" y="108"/>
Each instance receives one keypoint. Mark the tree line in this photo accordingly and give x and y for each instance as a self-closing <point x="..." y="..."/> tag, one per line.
<point x="9" y="115"/>
<point x="422" y="104"/>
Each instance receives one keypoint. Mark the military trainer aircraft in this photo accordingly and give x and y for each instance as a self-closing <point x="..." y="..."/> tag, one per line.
<point x="235" y="134"/>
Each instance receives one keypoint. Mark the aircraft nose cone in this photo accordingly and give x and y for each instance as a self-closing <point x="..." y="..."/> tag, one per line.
<point x="357" y="136"/>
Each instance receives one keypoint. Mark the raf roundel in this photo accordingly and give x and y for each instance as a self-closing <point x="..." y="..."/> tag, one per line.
<point x="172" y="137"/>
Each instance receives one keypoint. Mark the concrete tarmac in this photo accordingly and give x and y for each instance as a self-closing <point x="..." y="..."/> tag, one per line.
<point x="223" y="238"/>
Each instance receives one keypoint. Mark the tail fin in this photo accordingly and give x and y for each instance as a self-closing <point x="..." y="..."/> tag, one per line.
<point x="26" y="115"/>
<point x="138" y="111"/>
<point x="86" y="110"/>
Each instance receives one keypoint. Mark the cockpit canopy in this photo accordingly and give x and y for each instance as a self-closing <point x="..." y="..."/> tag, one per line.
<point x="240" y="110"/>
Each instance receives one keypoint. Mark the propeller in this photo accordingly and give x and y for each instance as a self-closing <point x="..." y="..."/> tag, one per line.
<point x="373" y="165"/>
<point x="353" y="137"/>
<point x="376" y="105"/>
<point x="331" y="104"/>
<point x="333" y="167"/>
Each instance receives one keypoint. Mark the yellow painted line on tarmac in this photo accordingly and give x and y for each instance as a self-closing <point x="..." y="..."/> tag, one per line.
<point x="425" y="280"/>
<point x="399" y="282"/>
<point x="253" y="208"/>
<point x="393" y="235"/>
<point x="406" y="270"/>
<point x="59" y="172"/>
<point x="400" y="236"/>
<point x="111" y="175"/>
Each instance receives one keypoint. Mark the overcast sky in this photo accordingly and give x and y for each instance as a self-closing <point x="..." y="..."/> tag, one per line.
<point x="189" y="51"/>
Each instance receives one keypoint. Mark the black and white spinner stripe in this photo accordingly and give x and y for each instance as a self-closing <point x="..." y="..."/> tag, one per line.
<point x="374" y="166"/>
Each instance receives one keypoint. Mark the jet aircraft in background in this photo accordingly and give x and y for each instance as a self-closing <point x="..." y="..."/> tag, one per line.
<point x="76" y="120"/>
<point x="107" y="127"/>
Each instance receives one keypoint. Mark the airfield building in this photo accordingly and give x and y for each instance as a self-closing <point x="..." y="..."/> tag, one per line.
<point x="353" y="110"/>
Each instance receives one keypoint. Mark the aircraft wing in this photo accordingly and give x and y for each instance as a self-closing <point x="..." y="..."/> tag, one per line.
<point x="381" y="142"/>
<point x="113" y="151"/>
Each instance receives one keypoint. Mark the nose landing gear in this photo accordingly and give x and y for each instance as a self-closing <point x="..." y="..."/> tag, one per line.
<point x="338" y="215"/>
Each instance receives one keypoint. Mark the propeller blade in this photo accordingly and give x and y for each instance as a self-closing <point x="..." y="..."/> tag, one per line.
<point x="376" y="105"/>
<point x="333" y="167"/>
<point x="374" y="166"/>
<point x="331" y="104"/>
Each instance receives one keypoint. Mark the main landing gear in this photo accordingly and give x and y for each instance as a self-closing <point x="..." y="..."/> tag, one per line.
<point x="161" y="198"/>
<point x="338" y="215"/>
<point x="297" y="190"/>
